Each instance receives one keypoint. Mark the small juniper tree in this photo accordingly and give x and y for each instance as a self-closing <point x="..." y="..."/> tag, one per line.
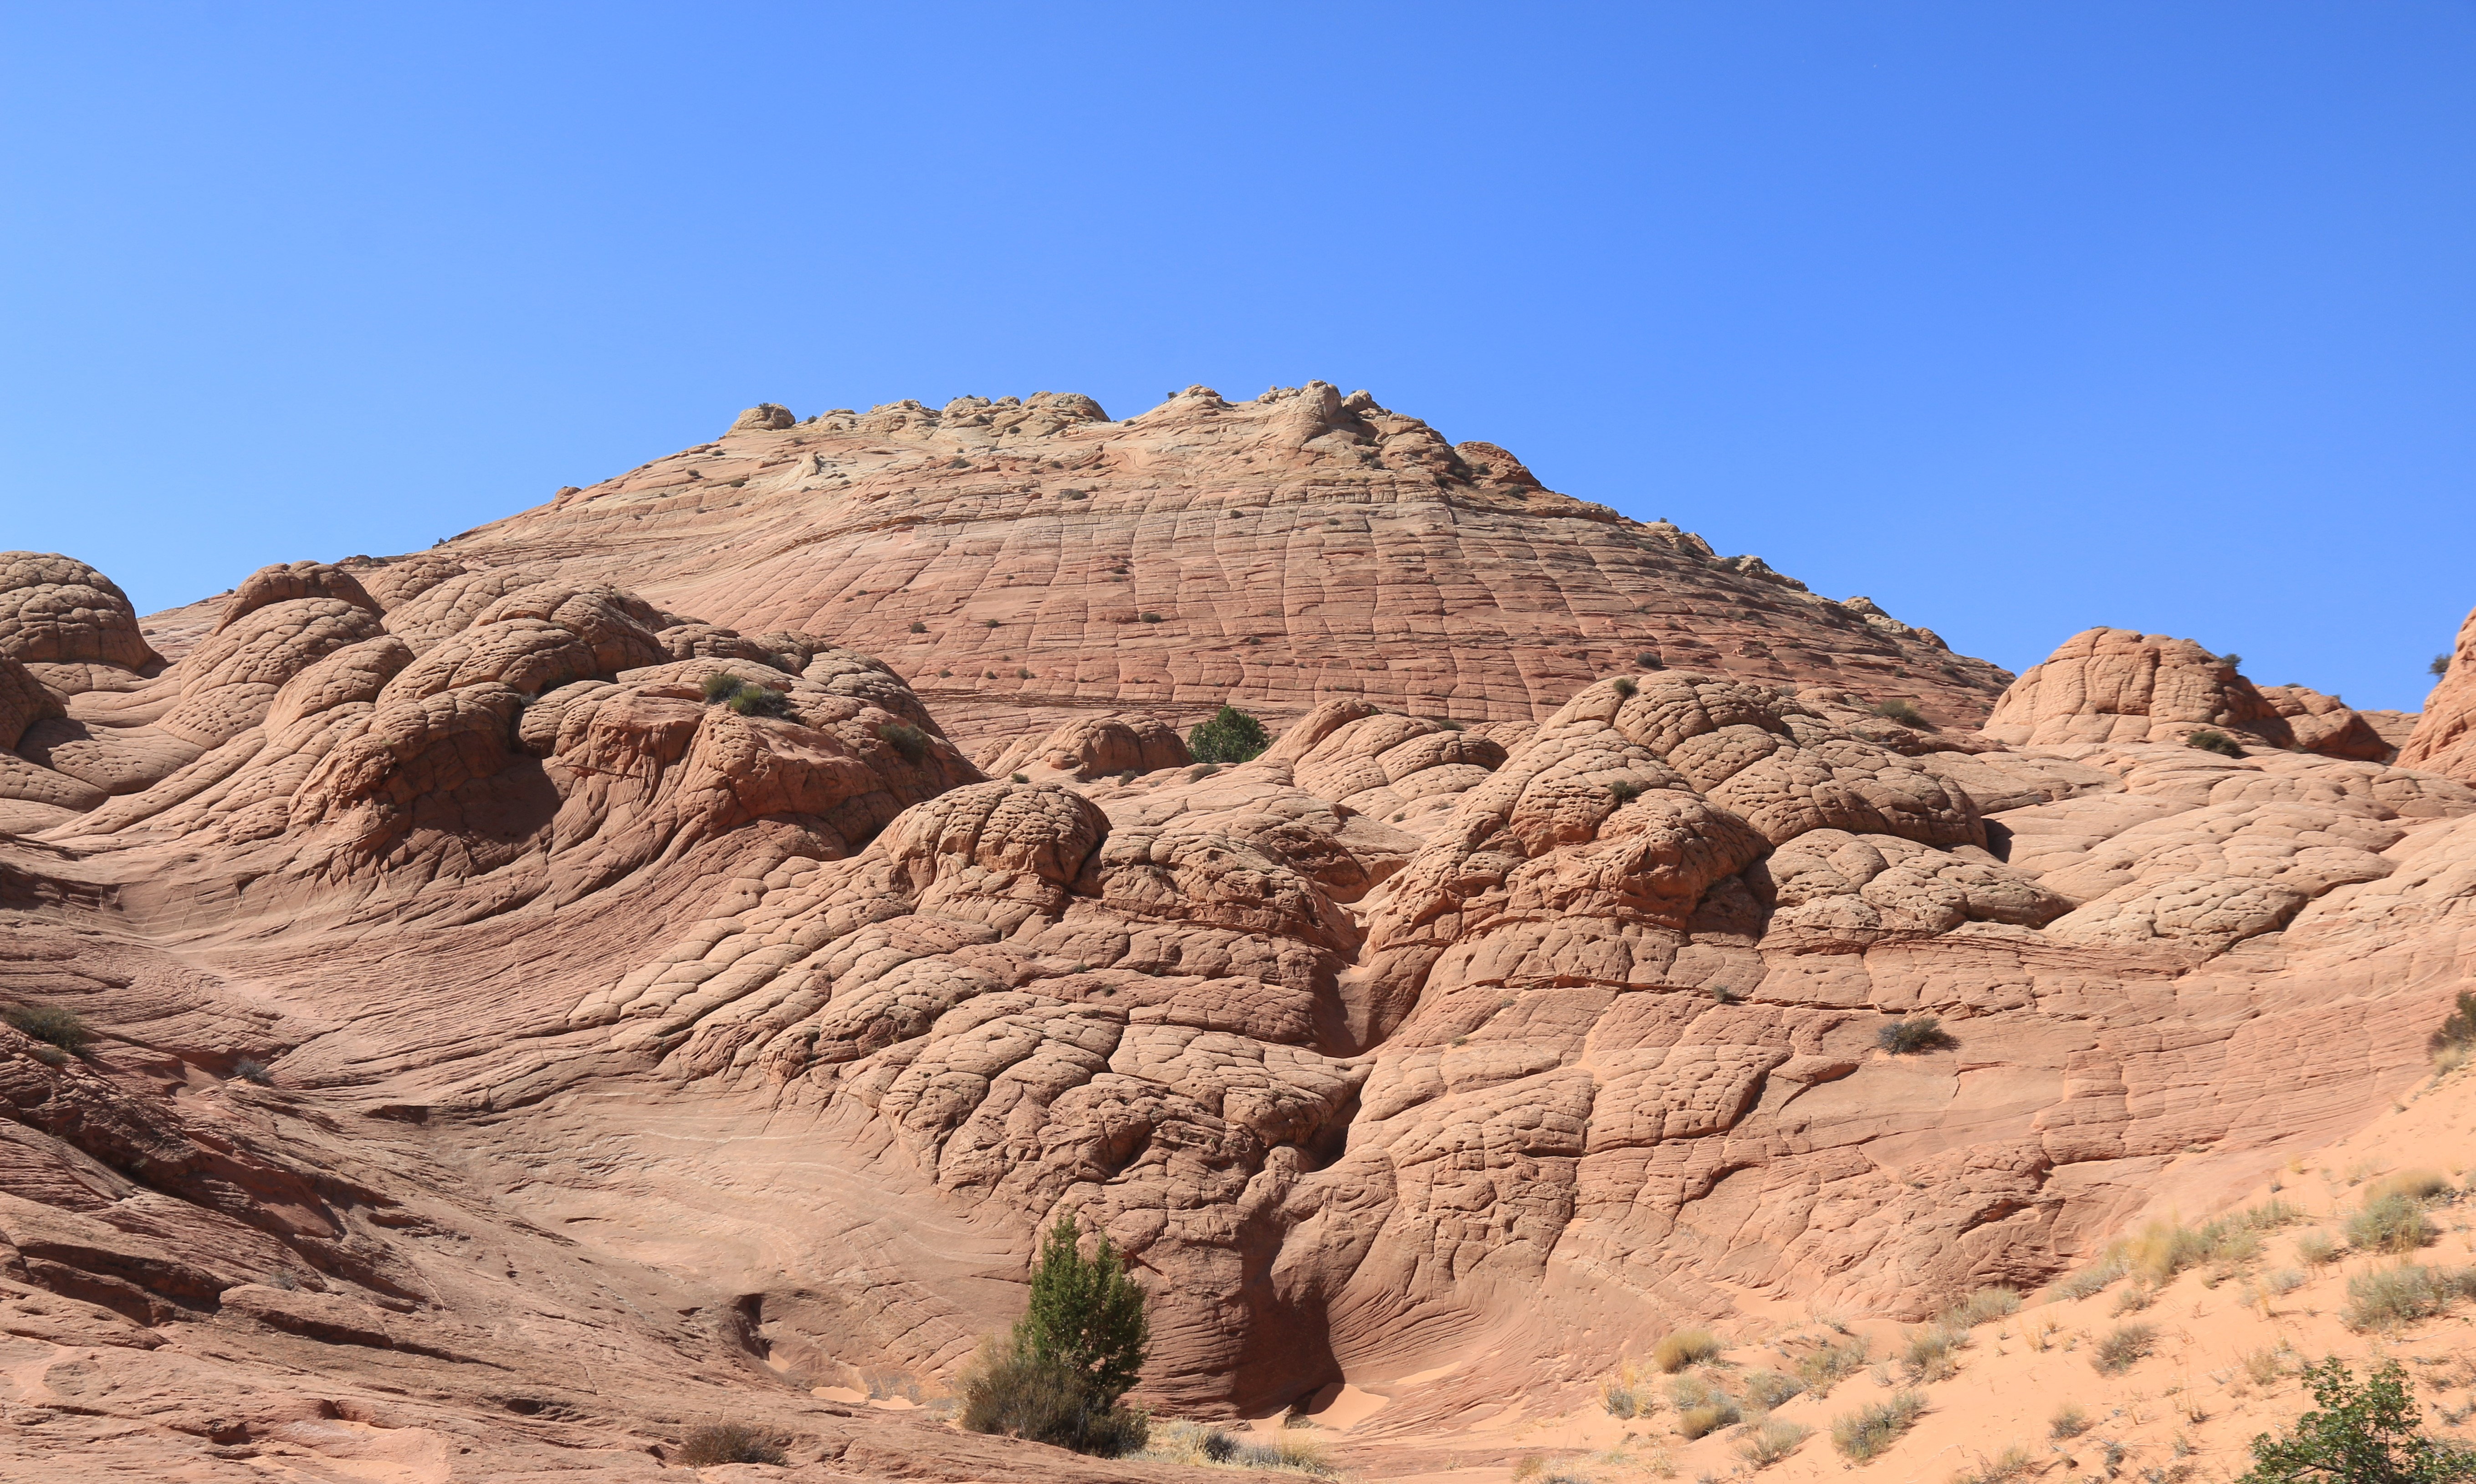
<point x="1231" y="736"/>
<point x="1086" y="1313"/>
<point x="2363" y="1433"/>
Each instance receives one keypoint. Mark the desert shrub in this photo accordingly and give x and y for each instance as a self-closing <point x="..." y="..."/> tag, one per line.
<point x="1825" y="1368"/>
<point x="1982" y="1305"/>
<point x="1019" y="778"/>
<point x="728" y="1443"/>
<point x="905" y="738"/>
<point x="2264" y="1366"/>
<point x="1074" y="494"/>
<point x="2218" y="742"/>
<point x="2387" y="1298"/>
<point x="1150" y="618"/>
<point x="54" y="1025"/>
<point x="2392" y="1222"/>
<point x="2068" y="1422"/>
<point x="1624" y="684"/>
<point x="1231" y="735"/>
<point x="2134" y="1297"/>
<point x="1685" y="1348"/>
<point x="2440" y="667"/>
<point x="249" y="1069"/>
<point x="1649" y="660"/>
<point x="917" y="626"/>
<point x="1928" y="1354"/>
<point x="1625" y="790"/>
<point x="1708" y="1418"/>
<point x="1618" y="1400"/>
<point x="1074" y="1353"/>
<point x="758" y="700"/>
<point x="1769" y="1441"/>
<point x="989" y="623"/>
<point x="2358" y="1434"/>
<point x="2089" y="1281"/>
<point x="2282" y="1281"/>
<point x="2124" y="1347"/>
<point x="1900" y="711"/>
<point x="1764" y="1390"/>
<point x="1918" y="1033"/>
<point x="720" y="686"/>
<point x="2317" y="1249"/>
<point x="1695" y="1389"/>
<point x="1863" y="1434"/>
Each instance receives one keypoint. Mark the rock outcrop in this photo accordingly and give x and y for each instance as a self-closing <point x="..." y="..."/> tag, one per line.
<point x="2444" y="739"/>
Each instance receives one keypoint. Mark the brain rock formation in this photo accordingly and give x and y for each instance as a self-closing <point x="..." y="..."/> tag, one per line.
<point x="538" y="1010"/>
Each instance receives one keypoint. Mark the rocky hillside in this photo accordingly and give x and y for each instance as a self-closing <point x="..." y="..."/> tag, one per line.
<point x="534" y="1014"/>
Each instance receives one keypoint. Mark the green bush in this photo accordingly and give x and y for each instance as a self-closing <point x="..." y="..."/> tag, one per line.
<point x="760" y="701"/>
<point x="2359" y="1434"/>
<point x="1900" y="711"/>
<point x="1928" y="1354"/>
<point x="1624" y="790"/>
<point x="728" y="1443"/>
<point x="917" y="626"/>
<point x="57" y="1024"/>
<point x="1863" y="1434"/>
<point x="2440" y="667"/>
<point x="1919" y="1033"/>
<point x="1231" y="735"/>
<point x="2218" y="742"/>
<point x="1766" y="1389"/>
<point x="1649" y="660"/>
<point x="1076" y="1352"/>
<point x="905" y="738"/>
<point x="720" y="686"/>
<point x="2124" y="1347"/>
<point x="1624" y="684"/>
<point x="2089" y="1281"/>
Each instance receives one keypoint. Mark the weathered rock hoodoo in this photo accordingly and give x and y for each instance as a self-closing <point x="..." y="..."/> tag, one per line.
<point x="566" y="985"/>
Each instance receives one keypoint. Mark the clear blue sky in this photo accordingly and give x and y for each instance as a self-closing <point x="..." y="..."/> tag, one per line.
<point x="2017" y="317"/>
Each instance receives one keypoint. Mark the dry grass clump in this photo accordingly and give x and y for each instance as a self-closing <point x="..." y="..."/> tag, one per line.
<point x="2393" y="1221"/>
<point x="2068" y="1422"/>
<point x="2317" y="1249"/>
<point x="1624" y="1395"/>
<point x="1764" y="1390"/>
<point x="2013" y="1462"/>
<point x="2388" y="1298"/>
<point x="1701" y="1406"/>
<point x="1863" y="1434"/>
<point x="2134" y="1297"/>
<point x="1918" y="1033"/>
<point x="2264" y="1367"/>
<point x="2124" y="1347"/>
<point x="2089" y="1281"/>
<point x="1930" y="1353"/>
<point x="1981" y="1306"/>
<point x="906" y="739"/>
<point x="1769" y="1441"/>
<point x="2413" y="1184"/>
<point x="1825" y="1368"/>
<point x="1685" y="1348"/>
<point x="730" y="1442"/>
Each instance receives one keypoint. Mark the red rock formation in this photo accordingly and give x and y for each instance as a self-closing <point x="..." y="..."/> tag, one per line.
<point x="524" y="997"/>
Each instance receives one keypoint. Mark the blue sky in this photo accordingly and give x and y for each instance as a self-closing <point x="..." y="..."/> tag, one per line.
<point x="2017" y="317"/>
